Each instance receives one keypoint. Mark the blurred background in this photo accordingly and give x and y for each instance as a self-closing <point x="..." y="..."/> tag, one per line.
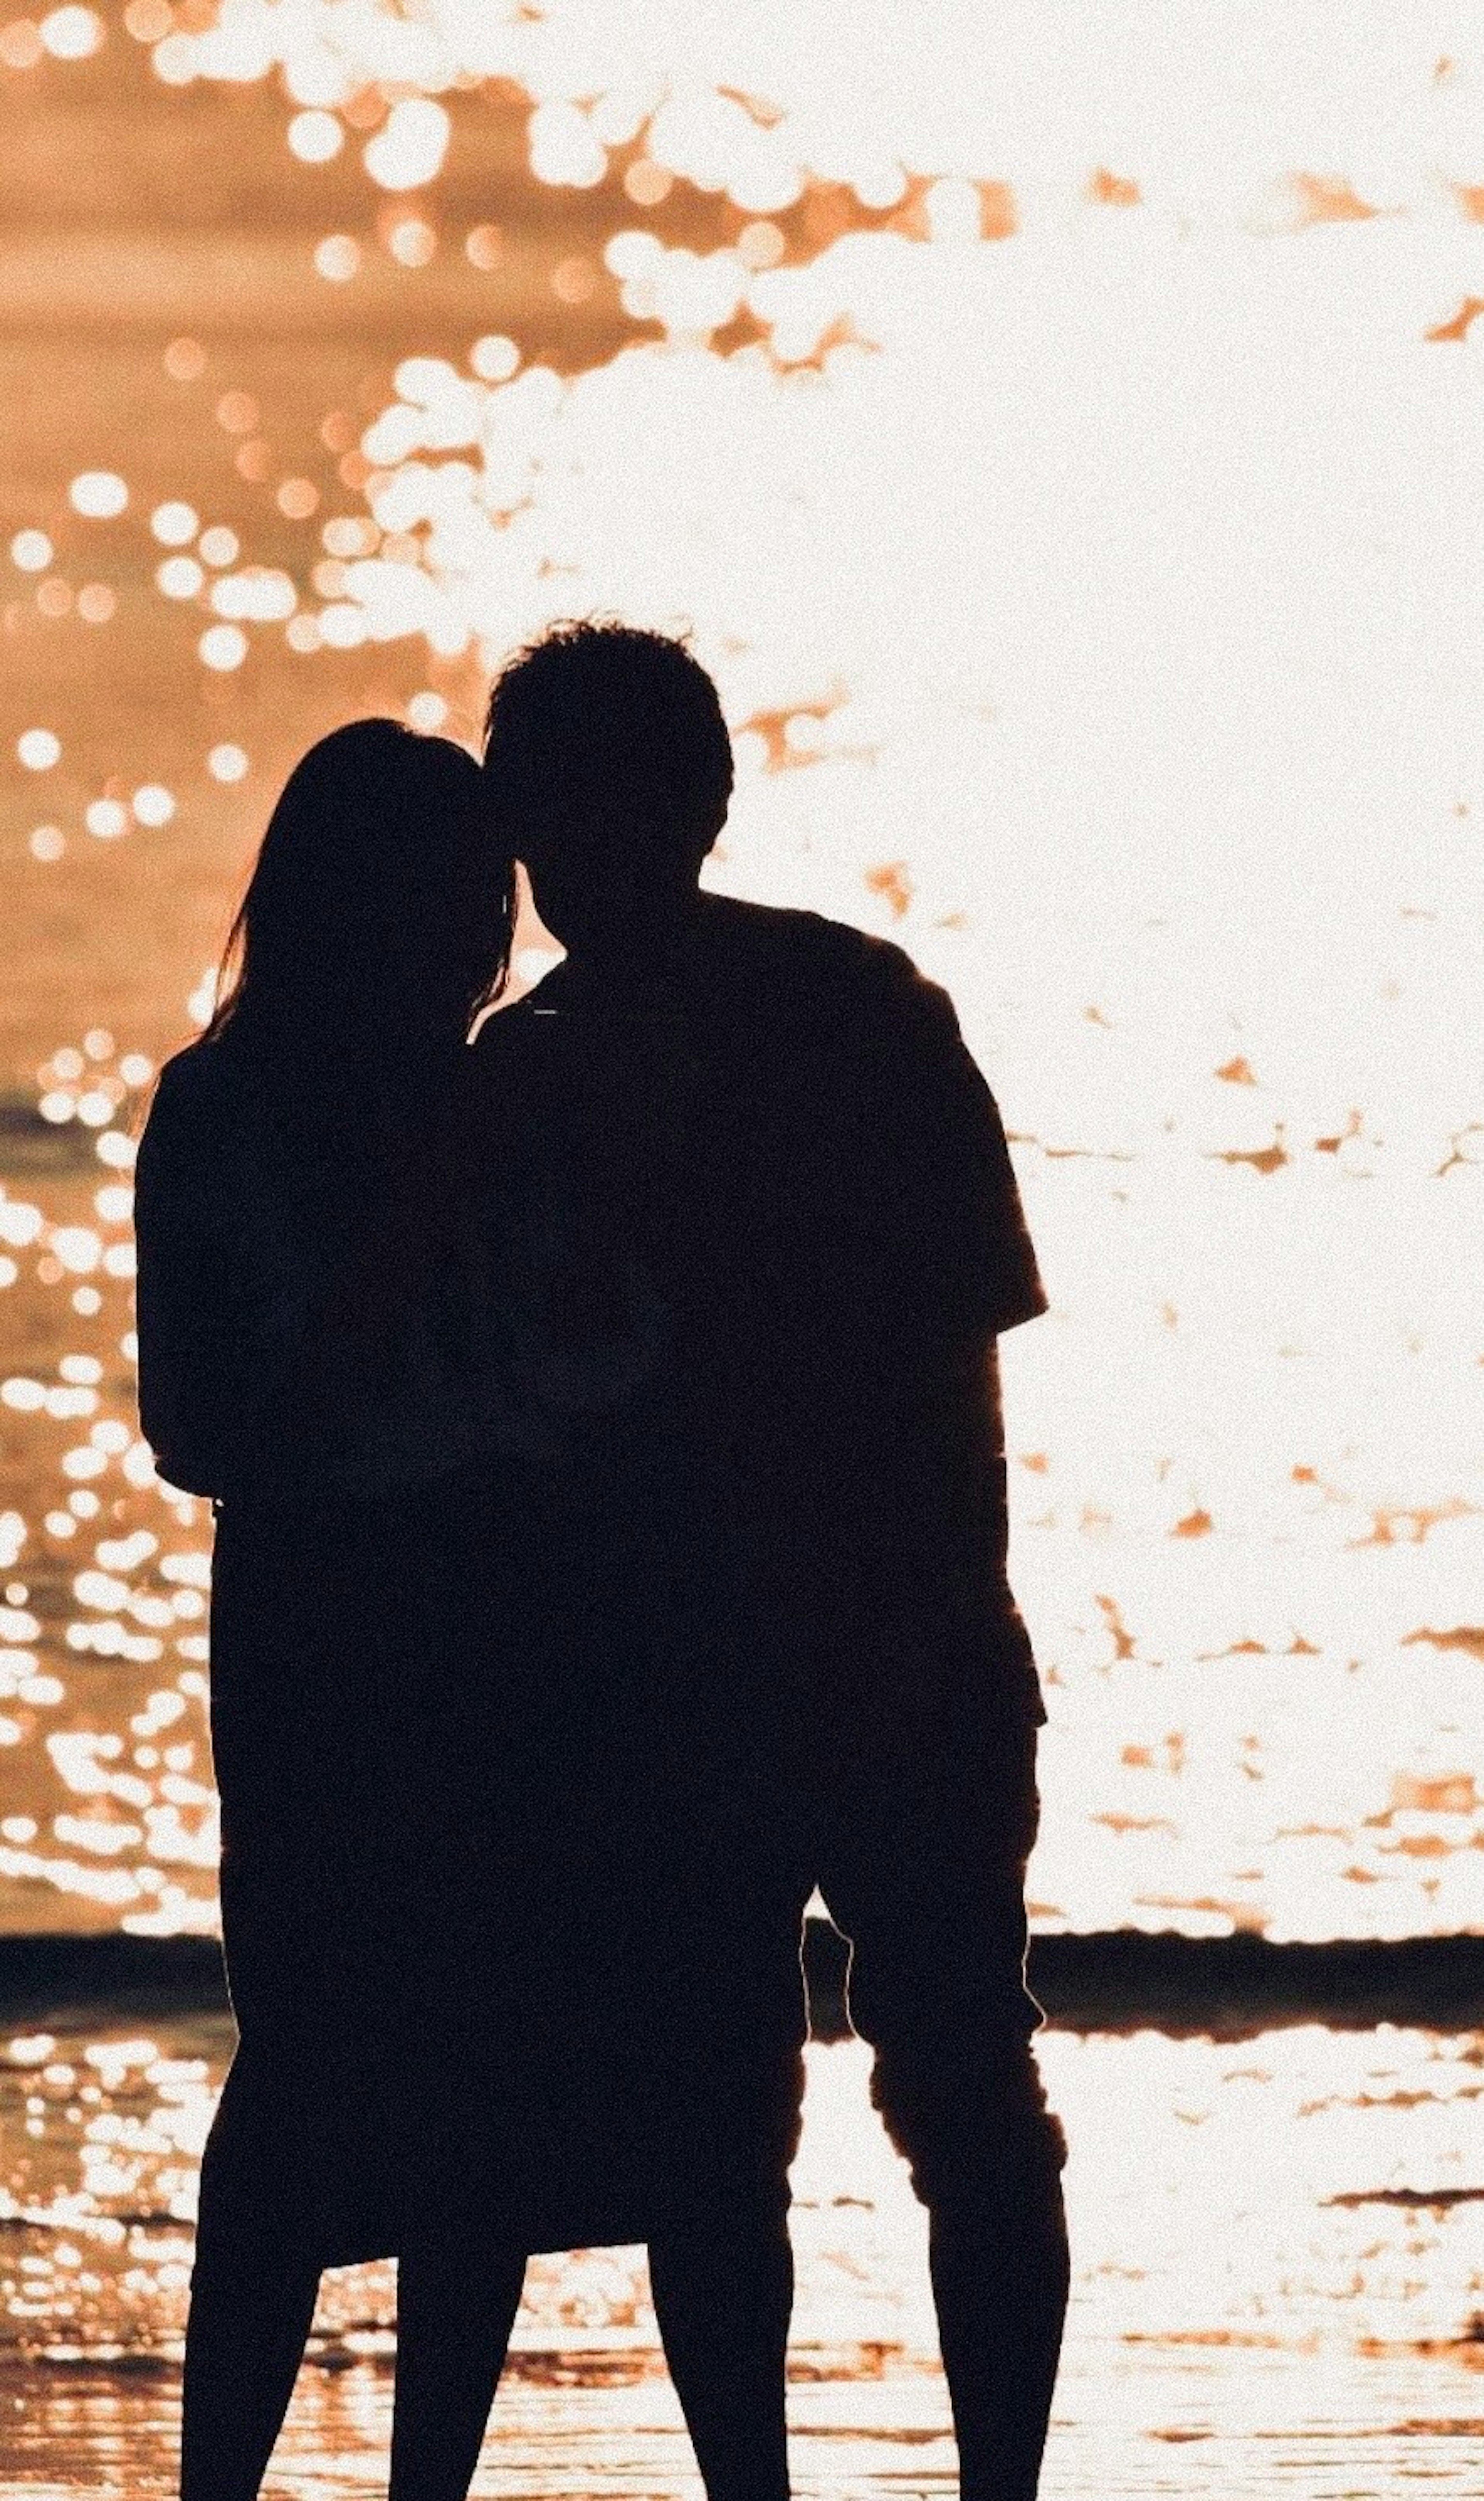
<point x="1061" y="438"/>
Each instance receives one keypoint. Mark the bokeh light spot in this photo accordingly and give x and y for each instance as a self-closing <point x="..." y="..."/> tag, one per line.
<point x="494" y="358"/>
<point x="343" y="626"/>
<point x="175" y="524"/>
<point x="411" y="243"/>
<point x="72" y="34"/>
<point x="38" y="749"/>
<point x="180" y="577"/>
<point x="647" y="184"/>
<point x="223" y="647"/>
<point x="761" y="245"/>
<point x="31" y="550"/>
<point x="298" y="498"/>
<point x="261" y="594"/>
<point x="337" y="257"/>
<point x="20" y="43"/>
<point x="173" y="60"/>
<point x="565" y="149"/>
<point x="409" y="150"/>
<point x="99" y="494"/>
<point x="315" y="137"/>
<point x="237" y="411"/>
<point x="350" y="535"/>
<point x="573" y="281"/>
<point x="227" y="763"/>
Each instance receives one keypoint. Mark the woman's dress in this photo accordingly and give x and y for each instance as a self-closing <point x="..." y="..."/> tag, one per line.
<point x="493" y="1899"/>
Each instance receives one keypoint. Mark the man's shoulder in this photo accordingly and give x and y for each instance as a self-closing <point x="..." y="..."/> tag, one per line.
<point x="790" y="960"/>
<point x="761" y="969"/>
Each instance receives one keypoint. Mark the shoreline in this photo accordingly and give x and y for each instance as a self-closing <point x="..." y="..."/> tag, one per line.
<point x="1109" y="1981"/>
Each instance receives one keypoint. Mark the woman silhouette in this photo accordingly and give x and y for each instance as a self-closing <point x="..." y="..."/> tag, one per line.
<point x="309" y="1358"/>
<point x="473" y="1857"/>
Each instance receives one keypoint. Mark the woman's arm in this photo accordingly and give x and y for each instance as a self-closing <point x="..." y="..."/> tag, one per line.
<point x="189" y="1332"/>
<point x="293" y="1337"/>
<point x="254" y="1364"/>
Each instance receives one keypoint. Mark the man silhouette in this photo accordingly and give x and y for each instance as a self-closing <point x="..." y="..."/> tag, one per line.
<point x="800" y="1240"/>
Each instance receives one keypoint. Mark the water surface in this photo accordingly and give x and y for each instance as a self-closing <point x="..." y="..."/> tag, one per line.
<point x="1278" y="2262"/>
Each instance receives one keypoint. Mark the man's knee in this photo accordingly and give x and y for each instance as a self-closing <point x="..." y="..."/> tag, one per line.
<point x="973" y="2131"/>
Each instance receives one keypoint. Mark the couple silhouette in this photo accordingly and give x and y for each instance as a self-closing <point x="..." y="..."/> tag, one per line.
<point x="602" y="1428"/>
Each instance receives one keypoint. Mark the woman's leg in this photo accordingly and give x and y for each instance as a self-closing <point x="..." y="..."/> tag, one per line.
<point x="455" y="2309"/>
<point x="251" y="2307"/>
<point x="723" y="2288"/>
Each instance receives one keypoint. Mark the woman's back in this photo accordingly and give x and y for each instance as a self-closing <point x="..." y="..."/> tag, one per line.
<point x="304" y="1325"/>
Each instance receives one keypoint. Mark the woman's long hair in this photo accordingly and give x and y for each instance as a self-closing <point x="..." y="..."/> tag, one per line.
<point x="376" y="925"/>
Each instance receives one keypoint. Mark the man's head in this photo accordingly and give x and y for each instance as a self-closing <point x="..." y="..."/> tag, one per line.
<point x="607" y="762"/>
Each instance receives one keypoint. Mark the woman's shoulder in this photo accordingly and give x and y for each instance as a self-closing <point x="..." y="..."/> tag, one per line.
<point x="196" y="1102"/>
<point x="202" y="1073"/>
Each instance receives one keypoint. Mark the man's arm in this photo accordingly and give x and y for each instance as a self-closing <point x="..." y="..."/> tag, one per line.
<point x="948" y="1174"/>
<point x="962" y="1271"/>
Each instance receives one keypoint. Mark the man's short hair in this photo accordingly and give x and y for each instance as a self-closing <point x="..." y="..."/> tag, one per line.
<point x="601" y="723"/>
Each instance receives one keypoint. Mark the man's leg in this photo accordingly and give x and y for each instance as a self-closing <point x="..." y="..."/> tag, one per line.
<point x="927" y="1880"/>
<point x="986" y="2159"/>
<point x="1000" y="2278"/>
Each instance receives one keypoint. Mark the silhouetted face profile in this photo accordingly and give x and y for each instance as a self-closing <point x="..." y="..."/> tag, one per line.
<point x="609" y="770"/>
<point x="378" y="916"/>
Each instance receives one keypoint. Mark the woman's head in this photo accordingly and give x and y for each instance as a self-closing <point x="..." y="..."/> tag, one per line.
<point x="381" y="905"/>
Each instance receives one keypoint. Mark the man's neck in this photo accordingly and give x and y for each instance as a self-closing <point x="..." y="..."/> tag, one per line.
<point x="657" y="958"/>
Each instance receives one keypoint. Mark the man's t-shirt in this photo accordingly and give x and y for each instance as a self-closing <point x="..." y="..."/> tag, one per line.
<point x="769" y="1231"/>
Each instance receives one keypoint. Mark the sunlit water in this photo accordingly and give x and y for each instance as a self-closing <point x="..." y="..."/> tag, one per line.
<point x="1279" y="2285"/>
<point x="1067" y="457"/>
<point x="1071" y="478"/>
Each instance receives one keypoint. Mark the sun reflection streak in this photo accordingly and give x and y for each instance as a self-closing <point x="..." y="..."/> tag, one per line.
<point x="1072" y="522"/>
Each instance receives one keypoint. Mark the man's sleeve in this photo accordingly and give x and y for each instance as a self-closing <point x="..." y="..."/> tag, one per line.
<point x="957" y="1205"/>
